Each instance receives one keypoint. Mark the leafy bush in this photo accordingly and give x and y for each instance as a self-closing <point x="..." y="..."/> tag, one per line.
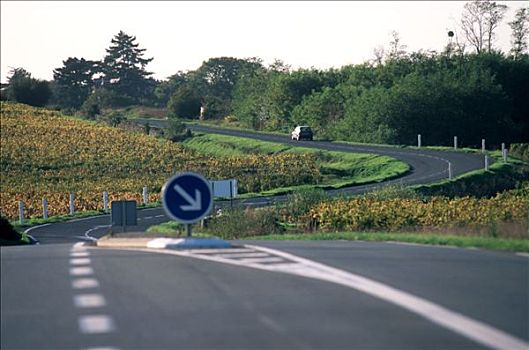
<point x="392" y="192"/>
<point x="238" y="223"/>
<point x="176" y="131"/>
<point x="520" y="150"/>
<point x="300" y="202"/>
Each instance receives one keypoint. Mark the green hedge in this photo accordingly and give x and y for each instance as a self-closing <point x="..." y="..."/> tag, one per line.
<point x="520" y="151"/>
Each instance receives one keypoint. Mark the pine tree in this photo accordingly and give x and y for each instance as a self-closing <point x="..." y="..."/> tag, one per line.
<point x="124" y="68"/>
<point x="74" y="81"/>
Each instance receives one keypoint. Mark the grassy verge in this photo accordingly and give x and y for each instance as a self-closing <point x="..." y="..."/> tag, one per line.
<point x="515" y="245"/>
<point x="172" y="229"/>
<point x="338" y="169"/>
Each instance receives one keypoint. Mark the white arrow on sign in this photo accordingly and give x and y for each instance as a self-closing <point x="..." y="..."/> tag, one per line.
<point x="194" y="203"/>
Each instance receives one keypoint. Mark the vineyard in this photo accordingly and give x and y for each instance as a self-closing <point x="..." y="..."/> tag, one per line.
<point x="44" y="153"/>
<point x="365" y="213"/>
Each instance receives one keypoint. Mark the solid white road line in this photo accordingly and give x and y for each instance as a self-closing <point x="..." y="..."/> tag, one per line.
<point x="84" y="283"/>
<point x="269" y="259"/>
<point x="456" y="322"/>
<point x="89" y="300"/>
<point x="243" y="255"/>
<point x="81" y="271"/>
<point x="96" y="324"/>
<point x="80" y="261"/>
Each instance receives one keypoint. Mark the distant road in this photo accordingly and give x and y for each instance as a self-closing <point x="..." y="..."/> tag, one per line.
<point x="427" y="166"/>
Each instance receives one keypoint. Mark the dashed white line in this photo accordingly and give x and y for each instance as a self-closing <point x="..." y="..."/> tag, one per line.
<point x="159" y="216"/>
<point x="80" y="261"/>
<point x="84" y="283"/>
<point x="525" y="255"/>
<point x="89" y="300"/>
<point x="81" y="271"/>
<point x="79" y="254"/>
<point x="93" y="324"/>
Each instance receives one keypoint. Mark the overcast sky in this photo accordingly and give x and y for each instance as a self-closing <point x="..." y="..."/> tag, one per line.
<point x="39" y="35"/>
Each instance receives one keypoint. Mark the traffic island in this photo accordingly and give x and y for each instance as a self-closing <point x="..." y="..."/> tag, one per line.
<point x="140" y="240"/>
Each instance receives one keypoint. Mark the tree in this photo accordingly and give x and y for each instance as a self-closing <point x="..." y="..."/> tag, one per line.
<point x="74" y="81"/>
<point x="185" y="103"/>
<point x="479" y="21"/>
<point x="520" y="32"/>
<point x="25" y="89"/>
<point x="396" y="49"/>
<point x="124" y="68"/>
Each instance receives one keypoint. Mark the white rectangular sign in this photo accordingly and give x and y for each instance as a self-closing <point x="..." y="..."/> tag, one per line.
<point x="224" y="188"/>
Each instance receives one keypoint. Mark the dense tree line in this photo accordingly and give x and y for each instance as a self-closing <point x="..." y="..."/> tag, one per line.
<point x="390" y="99"/>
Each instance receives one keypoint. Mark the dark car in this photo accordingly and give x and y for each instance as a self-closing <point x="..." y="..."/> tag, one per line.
<point x="302" y="132"/>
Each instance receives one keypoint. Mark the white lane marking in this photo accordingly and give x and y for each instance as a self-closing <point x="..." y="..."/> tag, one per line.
<point x="81" y="271"/>
<point x="243" y="255"/>
<point x="80" y="254"/>
<point x="269" y="259"/>
<point x="456" y="322"/>
<point x="88" y="232"/>
<point x="147" y="218"/>
<point x="96" y="324"/>
<point x="225" y="250"/>
<point x="78" y="246"/>
<point x="84" y="283"/>
<point x="103" y="348"/>
<point x="89" y="300"/>
<point x="80" y="261"/>
<point x="35" y="227"/>
<point x="525" y="255"/>
<point x="159" y="216"/>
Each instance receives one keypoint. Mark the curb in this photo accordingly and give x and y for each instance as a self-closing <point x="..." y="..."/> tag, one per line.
<point x="161" y="243"/>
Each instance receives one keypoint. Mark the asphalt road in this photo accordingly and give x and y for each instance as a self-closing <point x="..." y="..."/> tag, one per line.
<point x="56" y="296"/>
<point x="300" y="295"/>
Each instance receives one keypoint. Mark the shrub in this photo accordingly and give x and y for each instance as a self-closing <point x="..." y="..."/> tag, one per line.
<point x="520" y="150"/>
<point x="239" y="223"/>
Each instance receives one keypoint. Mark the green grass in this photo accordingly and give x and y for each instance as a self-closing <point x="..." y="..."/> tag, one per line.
<point x="515" y="245"/>
<point x="339" y="169"/>
<point x="173" y="229"/>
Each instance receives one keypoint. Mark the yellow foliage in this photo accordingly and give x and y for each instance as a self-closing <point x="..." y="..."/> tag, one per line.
<point x="44" y="153"/>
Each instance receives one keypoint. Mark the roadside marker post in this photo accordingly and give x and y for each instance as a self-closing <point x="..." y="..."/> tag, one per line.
<point x="145" y="196"/>
<point x="44" y="208"/>
<point x="449" y="171"/>
<point x="21" y="212"/>
<point x="72" y="206"/>
<point x="455" y="142"/>
<point x="187" y="198"/>
<point x="419" y="141"/>
<point x="105" y="201"/>
<point x="486" y="163"/>
<point x="482" y="145"/>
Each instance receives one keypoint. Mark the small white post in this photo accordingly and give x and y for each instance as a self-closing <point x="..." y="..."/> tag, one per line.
<point x="504" y="154"/>
<point x="419" y="141"/>
<point x="482" y="145"/>
<point x="21" y="211"/>
<point x="44" y="208"/>
<point x="449" y="171"/>
<point x="105" y="201"/>
<point x="145" y="196"/>
<point x="486" y="162"/>
<point x="502" y="147"/>
<point x="72" y="206"/>
<point x="455" y="142"/>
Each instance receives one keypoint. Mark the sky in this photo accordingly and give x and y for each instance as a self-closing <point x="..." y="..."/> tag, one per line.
<point x="39" y="35"/>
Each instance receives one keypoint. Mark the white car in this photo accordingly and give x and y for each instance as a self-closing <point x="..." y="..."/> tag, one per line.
<point x="302" y="132"/>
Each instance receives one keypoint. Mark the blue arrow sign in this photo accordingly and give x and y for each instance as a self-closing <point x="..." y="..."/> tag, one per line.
<point x="187" y="198"/>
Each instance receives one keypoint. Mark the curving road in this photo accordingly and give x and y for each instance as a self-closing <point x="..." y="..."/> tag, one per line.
<point x="427" y="166"/>
<point x="64" y="294"/>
